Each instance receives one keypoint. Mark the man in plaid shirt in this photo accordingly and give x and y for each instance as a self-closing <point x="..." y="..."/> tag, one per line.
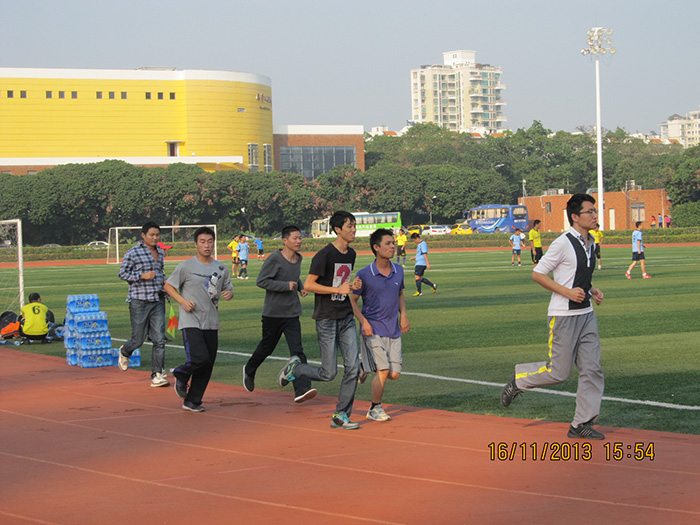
<point x="142" y="268"/>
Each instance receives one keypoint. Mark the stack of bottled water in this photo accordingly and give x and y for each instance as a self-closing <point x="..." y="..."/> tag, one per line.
<point x="87" y="339"/>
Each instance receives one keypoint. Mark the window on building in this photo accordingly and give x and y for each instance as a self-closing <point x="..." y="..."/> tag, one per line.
<point x="172" y="96"/>
<point x="312" y="161"/>
<point x="173" y="149"/>
<point x="10" y="94"/>
<point x="267" y="157"/>
<point x="638" y="213"/>
<point x="253" y="153"/>
<point x="548" y="207"/>
<point x="160" y="96"/>
<point x="111" y="95"/>
<point x="22" y="94"/>
<point x="31" y="172"/>
<point x="98" y="94"/>
<point x="49" y="94"/>
<point x="148" y="96"/>
<point x="73" y="94"/>
<point x="123" y="95"/>
<point x="61" y="94"/>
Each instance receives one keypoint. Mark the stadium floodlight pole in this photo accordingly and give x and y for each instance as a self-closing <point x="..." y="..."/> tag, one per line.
<point x="598" y="39"/>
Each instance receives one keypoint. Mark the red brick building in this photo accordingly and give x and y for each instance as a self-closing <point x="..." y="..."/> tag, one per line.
<point x="622" y="209"/>
<point x="313" y="150"/>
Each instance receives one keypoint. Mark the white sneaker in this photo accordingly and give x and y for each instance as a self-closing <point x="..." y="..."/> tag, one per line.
<point x="378" y="414"/>
<point x="159" y="380"/>
<point x="123" y="360"/>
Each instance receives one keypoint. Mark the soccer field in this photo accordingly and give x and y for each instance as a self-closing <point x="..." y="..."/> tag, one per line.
<point x="465" y="339"/>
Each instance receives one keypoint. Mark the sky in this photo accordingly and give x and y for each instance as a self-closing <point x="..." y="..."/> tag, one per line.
<point x="345" y="63"/>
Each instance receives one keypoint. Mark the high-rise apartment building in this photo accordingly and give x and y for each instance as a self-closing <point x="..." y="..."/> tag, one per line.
<point x="459" y="95"/>
<point x="685" y="130"/>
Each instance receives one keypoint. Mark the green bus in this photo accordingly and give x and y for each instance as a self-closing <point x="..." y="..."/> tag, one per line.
<point x="366" y="223"/>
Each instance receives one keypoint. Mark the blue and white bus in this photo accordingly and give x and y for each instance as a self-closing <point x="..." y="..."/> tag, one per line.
<point x="498" y="218"/>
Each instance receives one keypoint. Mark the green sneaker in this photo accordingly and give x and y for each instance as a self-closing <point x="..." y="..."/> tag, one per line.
<point x="343" y="421"/>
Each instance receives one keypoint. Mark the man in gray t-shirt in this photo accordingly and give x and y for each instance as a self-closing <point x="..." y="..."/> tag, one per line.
<point x="279" y="277"/>
<point x="197" y="284"/>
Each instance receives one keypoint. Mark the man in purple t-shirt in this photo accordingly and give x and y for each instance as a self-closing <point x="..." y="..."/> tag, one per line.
<point x="382" y="318"/>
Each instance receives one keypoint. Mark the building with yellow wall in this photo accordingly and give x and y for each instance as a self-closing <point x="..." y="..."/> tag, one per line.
<point x="149" y="116"/>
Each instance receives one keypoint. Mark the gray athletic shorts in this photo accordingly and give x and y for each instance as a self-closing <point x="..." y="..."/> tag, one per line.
<point x="381" y="353"/>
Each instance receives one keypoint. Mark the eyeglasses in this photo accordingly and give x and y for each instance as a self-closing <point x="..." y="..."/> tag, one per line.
<point x="592" y="211"/>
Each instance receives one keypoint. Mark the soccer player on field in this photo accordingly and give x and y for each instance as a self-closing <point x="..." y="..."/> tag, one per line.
<point x="535" y="242"/>
<point x="401" y="246"/>
<point x="573" y="328"/>
<point x="598" y="237"/>
<point x="637" y="252"/>
<point x="421" y="258"/>
<point x="382" y="318"/>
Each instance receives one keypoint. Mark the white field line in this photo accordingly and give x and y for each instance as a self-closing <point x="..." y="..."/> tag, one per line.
<point x="482" y="383"/>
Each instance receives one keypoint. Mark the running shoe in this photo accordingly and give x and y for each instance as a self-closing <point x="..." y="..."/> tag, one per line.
<point x="159" y="380"/>
<point x="286" y="375"/>
<point x="248" y="381"/>
<point x="123" y="360"/>
<point x="378" y="414"/>
<point x="510" y="392"/>
<point x="306" y="396"/>
<point x="343" y="421"/>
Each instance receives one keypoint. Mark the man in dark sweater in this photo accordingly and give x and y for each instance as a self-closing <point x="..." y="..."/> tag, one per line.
<point x="279" y="277"/>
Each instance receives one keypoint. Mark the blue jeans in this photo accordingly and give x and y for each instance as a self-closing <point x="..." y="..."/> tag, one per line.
<point x="334" y="334"/>
<point x="147" y="319"/>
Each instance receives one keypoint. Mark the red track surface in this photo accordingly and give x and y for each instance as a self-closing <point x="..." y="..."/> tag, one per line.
<point x="101" y="446"/>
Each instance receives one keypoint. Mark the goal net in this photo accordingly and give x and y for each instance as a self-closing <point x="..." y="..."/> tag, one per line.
<point x="11" y="266"/>
<point x="180" y="237"/>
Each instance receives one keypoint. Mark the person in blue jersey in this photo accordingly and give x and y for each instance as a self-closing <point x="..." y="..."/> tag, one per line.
<point x="243" y="251"/>
<point x="422" y="263"/>
<point x="382" y="318"/>
<point x="515" y="244"/>
<point x="573" y="328"/>
<point x="637" y="252"/>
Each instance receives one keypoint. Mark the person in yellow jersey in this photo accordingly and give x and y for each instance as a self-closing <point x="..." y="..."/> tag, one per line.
<point x="535" y="242"/>
<point x="233" y="246"/>
<point x="598" y="236"/>
<point x="35" y="319"/>
<point x="401" y="246"/>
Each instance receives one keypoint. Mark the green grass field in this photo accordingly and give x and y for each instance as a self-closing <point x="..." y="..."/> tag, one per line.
<point x="485" y="318"/>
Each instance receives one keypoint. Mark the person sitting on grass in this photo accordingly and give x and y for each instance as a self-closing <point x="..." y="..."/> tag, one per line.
<point x="35" y="320"/>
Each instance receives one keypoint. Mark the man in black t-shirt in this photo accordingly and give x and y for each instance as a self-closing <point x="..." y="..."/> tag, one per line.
<point x="329" y="280"/>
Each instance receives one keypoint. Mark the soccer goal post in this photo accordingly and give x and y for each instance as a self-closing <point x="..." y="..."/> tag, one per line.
<point x="11" y="265"/>
<point x="121" y="238"/>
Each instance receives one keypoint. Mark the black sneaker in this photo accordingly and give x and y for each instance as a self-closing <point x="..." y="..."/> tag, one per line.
<point x="248" y="381"/>
<point x="181" y="387"/>
<point x="510" y="392"/>
<point x="286" y="375"/>
<point x="584" y="431"/>
<point x="191" y="407"/>
<point x="309" y="394"/>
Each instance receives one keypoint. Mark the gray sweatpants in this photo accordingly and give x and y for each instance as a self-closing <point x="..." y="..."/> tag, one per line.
<point x="572" y="339"/>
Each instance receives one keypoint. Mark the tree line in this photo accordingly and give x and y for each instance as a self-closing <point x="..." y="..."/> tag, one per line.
<point x="426" y="172"/>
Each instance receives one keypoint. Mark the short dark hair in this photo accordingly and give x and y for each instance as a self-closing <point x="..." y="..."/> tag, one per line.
<point x="415" y="236"/>
<point x="204" y="230"/>
<point x="288" y="230"/>
<point x="575" y="204"/>
<point x="34" y="297"/>
<point x="638" y="224"/>
<point x="339" y="218"/>
<point x="377" y="236"/>
<point x="148" y="226"/>
<point x="536" y="222"/>
<point x="518" y="230"/>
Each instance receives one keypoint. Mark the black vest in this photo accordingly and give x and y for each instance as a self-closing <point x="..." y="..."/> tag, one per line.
<point x="584" y="272"/>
